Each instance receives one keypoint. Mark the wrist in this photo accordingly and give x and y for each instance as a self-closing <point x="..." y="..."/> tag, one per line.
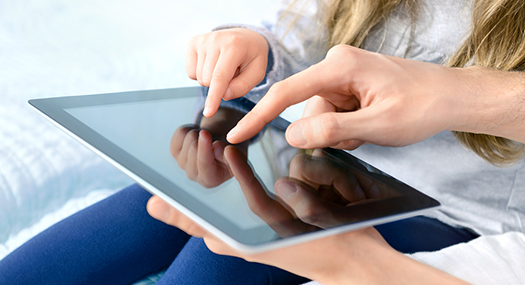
<point x="373" y="261"/>
<point x="491" y="102"/>
<point x="359" y="259"/>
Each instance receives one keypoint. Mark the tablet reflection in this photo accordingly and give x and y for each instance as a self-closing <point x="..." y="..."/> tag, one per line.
<point x="321" y="192"/>
<point x="199" y="148"/>
<point x="327" y="191"/>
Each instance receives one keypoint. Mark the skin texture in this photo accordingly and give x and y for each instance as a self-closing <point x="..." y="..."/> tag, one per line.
<point x="199" y="149"/>
<point x="359" y="256"/>
<point x="231" y="62"/>
<point x="354" y="97"/>
<point x="358" y="96"/>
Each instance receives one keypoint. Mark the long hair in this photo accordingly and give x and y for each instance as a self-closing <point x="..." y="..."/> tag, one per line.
<point x="497" y="41"/>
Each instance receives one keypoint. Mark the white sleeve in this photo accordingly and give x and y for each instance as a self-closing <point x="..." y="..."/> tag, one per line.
<point x="498" y="259"/>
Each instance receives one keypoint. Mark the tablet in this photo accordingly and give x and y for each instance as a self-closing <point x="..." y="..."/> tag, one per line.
<point x="138" y="131"/>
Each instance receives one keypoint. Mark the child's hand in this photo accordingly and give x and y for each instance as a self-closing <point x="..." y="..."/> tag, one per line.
<point x="231" y="62"/>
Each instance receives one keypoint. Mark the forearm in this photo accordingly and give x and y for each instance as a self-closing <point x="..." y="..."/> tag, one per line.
<point x="493" y="102"/>
<point x="383" y="265"/>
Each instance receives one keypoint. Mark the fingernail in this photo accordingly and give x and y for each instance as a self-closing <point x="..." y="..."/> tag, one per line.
<point x="295" y="136"/>
<point x="217" y="151"/>
<point x="229" y="94"/>
<point x="359" y="193"/>
<point x="285" y="190"/>
<point x="207" y="111"/>
<point x="202" y="138"/>
<point x="374" y="190"/>
<point x="232" y="133"/>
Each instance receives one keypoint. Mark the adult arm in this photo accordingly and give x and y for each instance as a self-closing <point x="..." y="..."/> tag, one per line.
<point x="361" y="96"/>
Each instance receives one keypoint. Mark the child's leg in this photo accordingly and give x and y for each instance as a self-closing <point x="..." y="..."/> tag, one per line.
<point x="114" y="241"/>
<point x="197" y="265"/>
<point x="423" y="234"/>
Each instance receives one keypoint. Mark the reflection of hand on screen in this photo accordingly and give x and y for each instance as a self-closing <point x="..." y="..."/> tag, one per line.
<point x="199" y="156"/>
<point x="199" y="149"/>
<point x="271" y="211"/>
<point x="321" y="190"/>
<point x="330" y="179"/>
<point x="339" y="181"/>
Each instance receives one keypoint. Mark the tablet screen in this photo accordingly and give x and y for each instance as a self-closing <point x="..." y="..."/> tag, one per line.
<point x="144" y="130"/>
<point x="137" y="130"/>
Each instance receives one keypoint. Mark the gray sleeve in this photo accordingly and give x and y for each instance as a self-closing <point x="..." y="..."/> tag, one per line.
<point x="296" y="42"/>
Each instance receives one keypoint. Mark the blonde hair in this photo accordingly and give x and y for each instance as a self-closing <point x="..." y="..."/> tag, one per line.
<point x="497" y="41"/>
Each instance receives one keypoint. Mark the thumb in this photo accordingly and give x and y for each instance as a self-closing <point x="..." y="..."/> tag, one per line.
<point x="340" y="130"/>
<point x="307" y="205"/>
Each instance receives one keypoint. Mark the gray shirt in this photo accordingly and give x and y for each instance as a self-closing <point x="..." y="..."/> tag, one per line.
<point x="474" y="193"/>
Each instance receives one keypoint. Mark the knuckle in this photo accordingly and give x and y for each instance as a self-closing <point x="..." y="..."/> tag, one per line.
<point x="191" y="175"/>
<point x="206" y="183"/>
<point x="181" y="163"/>
<point x="328" y="128"/>
<point x="344" y="53"/>
<point x="242" y="86"/>
<point x="280" y="88"/>
<point x="192" y="74"/>
<point x="192" y="43"/>
<point x="201" y="83"/>
<point x="226" y="38"/>
<point x="220" y="74"/>
<point x="205" y="81"/>
<point x="234" y="40"/>
<point x="337" y="49"/>
<point x="311" y="216"/>
<point x="277" y="87"/>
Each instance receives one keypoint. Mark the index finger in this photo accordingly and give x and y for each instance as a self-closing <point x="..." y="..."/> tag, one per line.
<point x="281" y="95"/>
<point x="223" y="73"/>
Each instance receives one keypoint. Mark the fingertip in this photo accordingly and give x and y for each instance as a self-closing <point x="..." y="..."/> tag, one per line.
<point x="208" y="111"/>
<point x="231" y="136"/>
<point x="218" y="151"/>
<point x="295" y="136"/>
<point x="359" y="193"/>
<point x="286" y="189"/>
<point x="158" y="209"/>
<point x="204" y="138"/>
<point x="229" y="153"/>
<point x="237" y="161"/>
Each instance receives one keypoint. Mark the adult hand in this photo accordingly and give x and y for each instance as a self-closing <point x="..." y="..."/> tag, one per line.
<point x="360" y="256"/>
<point x="307" y="259"/>
<point x="231" y="62"/>
<point x="359" y="96"/>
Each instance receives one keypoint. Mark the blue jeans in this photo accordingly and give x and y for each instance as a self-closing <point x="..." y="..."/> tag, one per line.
<point x="115" y="241"/>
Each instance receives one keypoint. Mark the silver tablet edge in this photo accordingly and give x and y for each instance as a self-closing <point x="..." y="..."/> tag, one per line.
<point x="247" y="249"/>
